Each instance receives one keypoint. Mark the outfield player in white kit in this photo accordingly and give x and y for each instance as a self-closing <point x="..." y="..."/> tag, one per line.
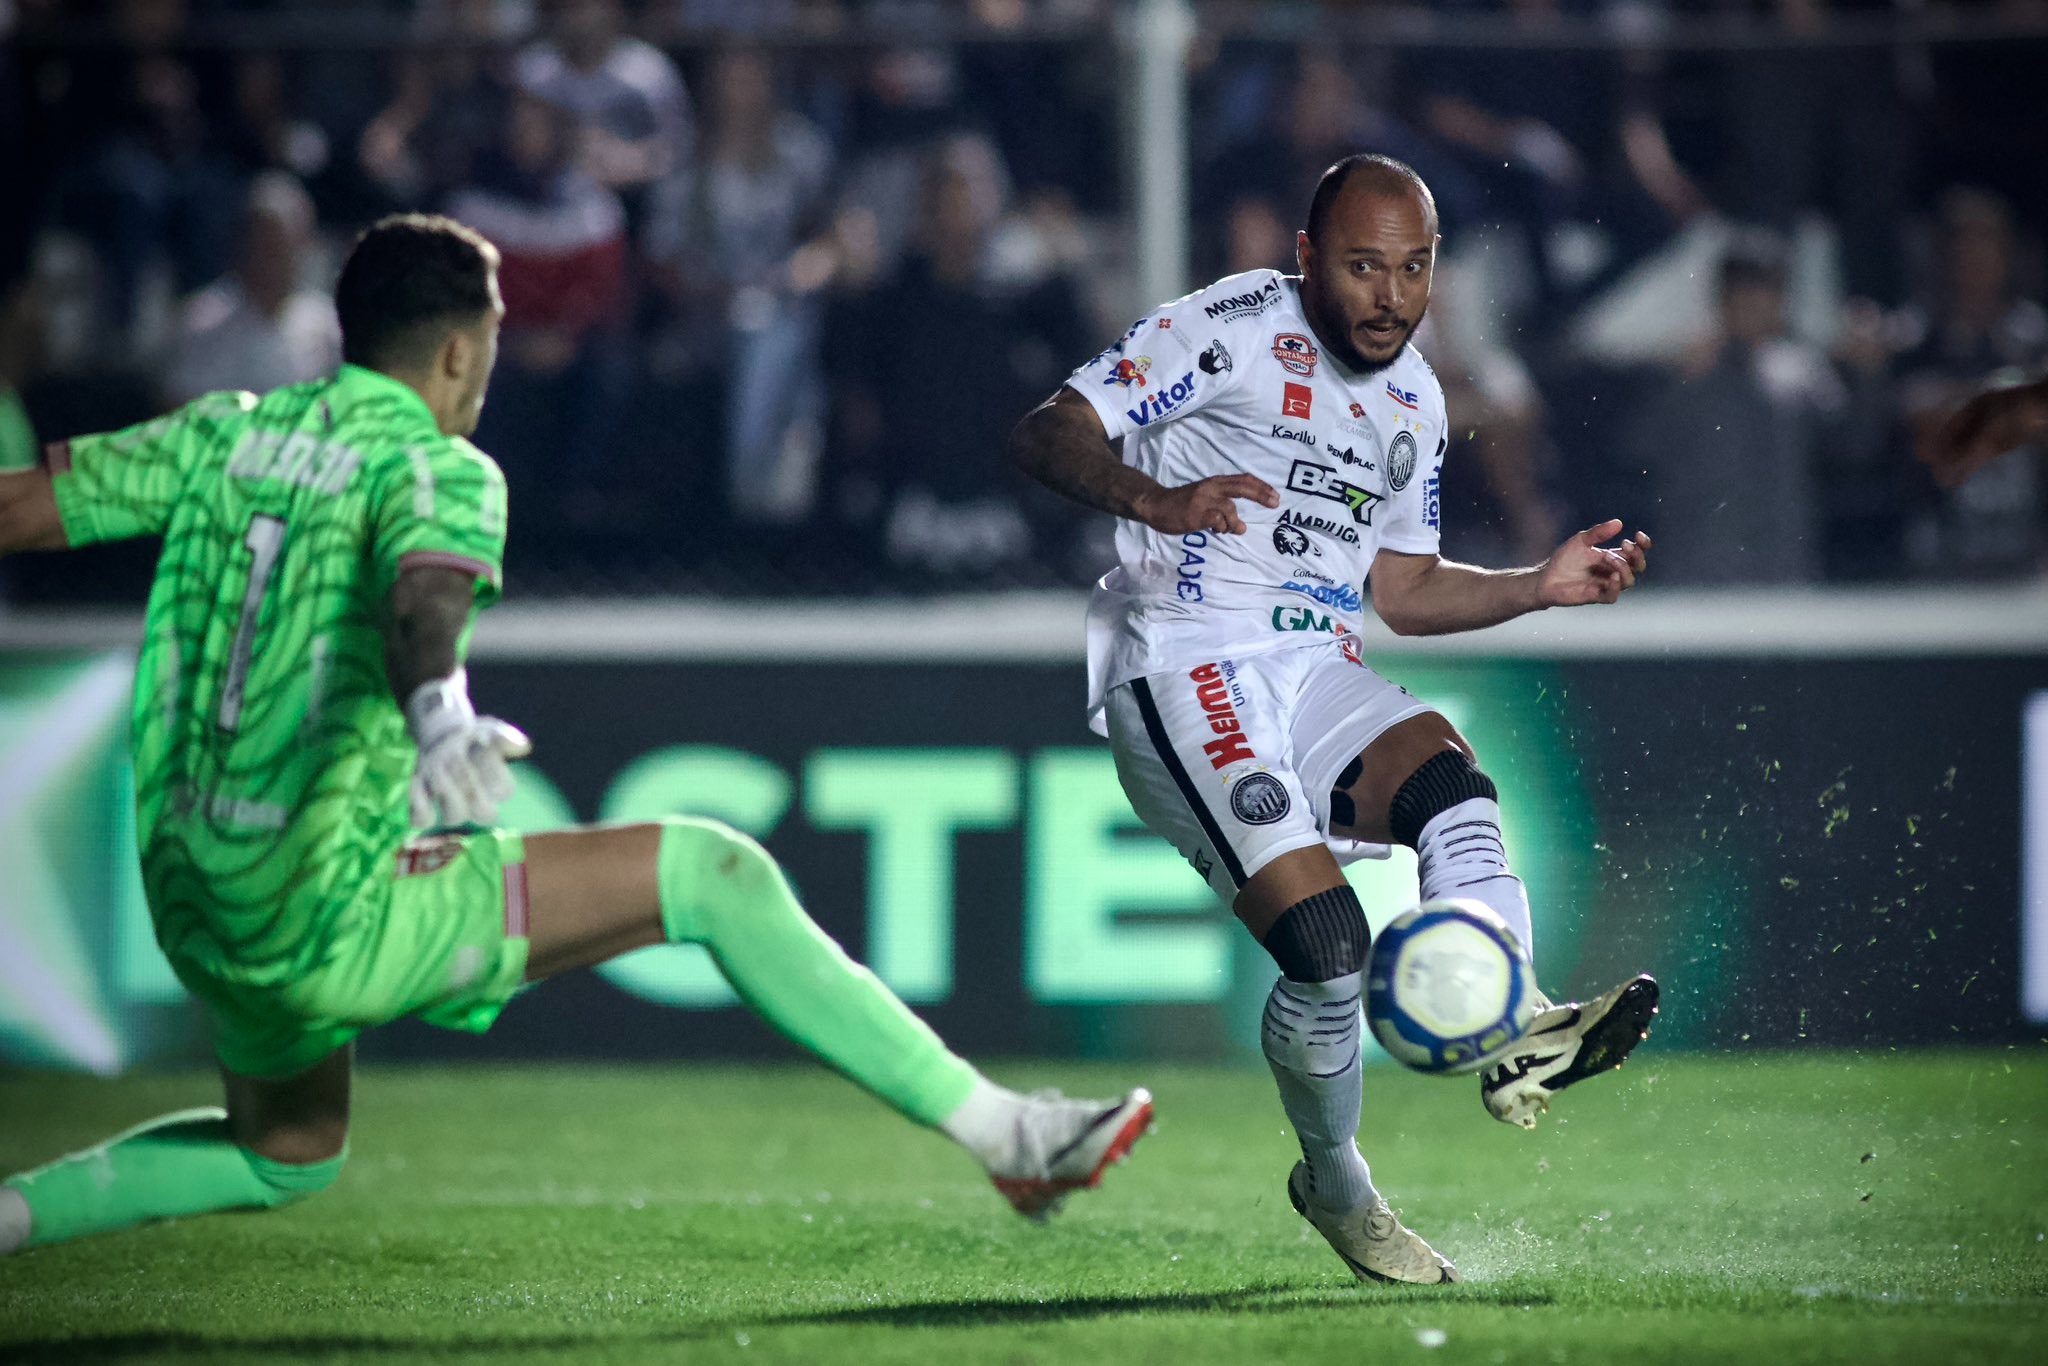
<point x="1281" y="443"/>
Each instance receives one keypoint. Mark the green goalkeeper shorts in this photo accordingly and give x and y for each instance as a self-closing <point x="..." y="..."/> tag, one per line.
<point x="443" y="940"/>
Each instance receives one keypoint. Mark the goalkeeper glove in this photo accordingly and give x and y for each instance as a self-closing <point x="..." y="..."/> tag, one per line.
<point x="461" y="767"/>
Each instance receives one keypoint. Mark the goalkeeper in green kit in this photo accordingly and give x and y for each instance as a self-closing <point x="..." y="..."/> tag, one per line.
<point x="301" y="706"/>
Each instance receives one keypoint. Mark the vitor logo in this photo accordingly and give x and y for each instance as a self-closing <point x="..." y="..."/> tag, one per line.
<point x="1259" y="799"/>
<point x="1322" y="482"/>
<point x="1215" y="360"/>
<point x="1400" y="461"/>
<point x="1308" y="521"/>
<point x="1429" y="501"/>
<point x="1165" y="402"/>
<point x="1290" y="434"/>
<point x="1213" y="690"/>
<point x="1245" y="305"/>
<point x="1296" y="353"/>
<point x="1341" y="596"/>
<point x="1295" y="401"/>
<point x="1189" y="589"/>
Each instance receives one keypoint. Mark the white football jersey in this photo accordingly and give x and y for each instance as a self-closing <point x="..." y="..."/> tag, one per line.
<point x="1231" y="380"/>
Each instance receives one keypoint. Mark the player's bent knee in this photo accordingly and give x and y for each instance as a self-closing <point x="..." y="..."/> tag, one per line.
<point x="1434" y="788"/>
<point x="708" y="869"/>
<point x="285" y="1183"/>
<point x="1321" y="938"/>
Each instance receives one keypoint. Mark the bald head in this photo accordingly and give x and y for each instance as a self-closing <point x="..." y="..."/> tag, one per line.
<point x="1367" y="258"/>
<point x="1367" y="175"/>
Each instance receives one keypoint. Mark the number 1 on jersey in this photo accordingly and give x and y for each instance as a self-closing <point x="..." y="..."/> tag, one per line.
<point x="265" y="539"/>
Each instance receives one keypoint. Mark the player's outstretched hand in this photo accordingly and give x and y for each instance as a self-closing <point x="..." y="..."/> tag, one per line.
<point x="1583" y="571"/>
<point x="1205" y="505"/>
<point x="461" y="770"/>
<point x="1992" y="422"/>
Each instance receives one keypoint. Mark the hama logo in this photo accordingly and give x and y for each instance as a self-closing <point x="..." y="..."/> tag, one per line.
<point x="1295" y="401"/>
<point x="1321" y="481"/>
<point x="1296" y="353"/>
<point x="1400" y="461"/>
<point x="1129" y="371"/>
<point x="1259" y="799"/>
<point x="1402" y="396"/>
<point x="1212" y="690"/>
<point x="1165" y="402"/>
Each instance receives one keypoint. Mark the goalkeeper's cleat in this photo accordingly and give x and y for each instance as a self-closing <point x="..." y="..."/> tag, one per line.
<point x="1065" y="1145"/>
<point x="1565" y="1045"/>
<point x="1371" y="1239"/>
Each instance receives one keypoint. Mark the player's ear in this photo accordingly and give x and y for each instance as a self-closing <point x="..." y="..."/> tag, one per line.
<point x="1304" y="251"/>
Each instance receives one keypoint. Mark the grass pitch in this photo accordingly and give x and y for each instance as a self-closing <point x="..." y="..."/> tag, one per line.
<point x="1875" y="1208"/>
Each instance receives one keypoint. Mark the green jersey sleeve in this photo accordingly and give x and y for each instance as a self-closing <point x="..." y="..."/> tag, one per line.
<point x="442" y="505"/>
<point x="119" y="484"/>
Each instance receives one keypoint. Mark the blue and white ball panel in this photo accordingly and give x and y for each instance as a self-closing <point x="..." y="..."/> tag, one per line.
<point x="1447" y="985"/>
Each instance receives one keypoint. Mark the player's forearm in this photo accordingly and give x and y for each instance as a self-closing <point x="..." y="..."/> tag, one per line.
<point x="1061" y="445"/>
<point x="1449" y="597"/>
<point x="28" y="513"/>
<point x="430" y="610"/>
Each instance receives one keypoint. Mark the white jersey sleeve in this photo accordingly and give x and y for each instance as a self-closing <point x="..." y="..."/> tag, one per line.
<point x="1415" y="462"/>
<point x="1171" y="363"/>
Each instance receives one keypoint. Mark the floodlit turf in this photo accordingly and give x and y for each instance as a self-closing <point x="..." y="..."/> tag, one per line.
<point x="1881" y="1208"/>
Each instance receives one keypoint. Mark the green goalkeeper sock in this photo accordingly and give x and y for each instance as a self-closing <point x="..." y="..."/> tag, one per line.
<point x="175" y="1165"/>
<point x="722" y="890"/>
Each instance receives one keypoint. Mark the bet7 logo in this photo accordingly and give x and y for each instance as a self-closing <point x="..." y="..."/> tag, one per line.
<point x="1322" y="482"/>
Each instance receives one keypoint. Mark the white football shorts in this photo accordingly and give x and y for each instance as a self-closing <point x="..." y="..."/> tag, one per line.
<point x="1232" y="761"/>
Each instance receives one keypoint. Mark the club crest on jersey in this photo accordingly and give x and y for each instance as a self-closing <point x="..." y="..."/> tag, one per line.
<point x="1131" y="370"/>
<point x="1296" y="353"/>
<point x="1215" y="360"/>
<point x="1402" y="397"/>
<point x="1295" y="400"/>
<point x="1321" y="481"/>
<point x="1258" y="798"/>
<point x="1400" y="461"/>
<point x="1164" y="403"/>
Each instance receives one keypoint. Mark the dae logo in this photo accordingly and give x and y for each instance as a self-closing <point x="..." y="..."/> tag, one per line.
<point x="1402" y="396"/>
<point x="1131" y="370"/>
<point x="1165" y="402"/>
<point x="1295" y="401"/>
<point x="1296" y="353"/>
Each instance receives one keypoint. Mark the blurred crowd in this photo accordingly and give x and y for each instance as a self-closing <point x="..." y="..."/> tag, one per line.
<point x="780" y="274"/>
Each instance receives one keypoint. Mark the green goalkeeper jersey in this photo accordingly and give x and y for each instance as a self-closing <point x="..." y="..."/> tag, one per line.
<point x="271" y="763"/>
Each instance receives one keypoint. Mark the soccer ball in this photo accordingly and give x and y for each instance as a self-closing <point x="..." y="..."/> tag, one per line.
<point x="1448" y="984"/>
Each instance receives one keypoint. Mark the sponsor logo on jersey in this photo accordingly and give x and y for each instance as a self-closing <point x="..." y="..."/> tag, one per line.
<point x="1213" y="689"/>
<point x="1288" y="616"/>
<point x="1296" y="353"/>
<point x="1320" y="481"/>
<point x="1258" y="799"/>
<point x="1245" y="305"/>
<point x="1344" y="456"/>
<point x="1429" y="502"/>
<point x="1291" y="540"/>
<point x="1281" y="433"/>
<point x="1358" y="411"/>
<point x="1400" y="461"/>
<point x="1309" y="521"/>
<point x="1341" y="596"/>
<point x="1166" y="324"/>
<point x="1215" y="360"/>
<point x="1129" y="371"/>
<point x="428" y="854"/>
<point x="1295" y="400"/>
<point x="294" y="458"/>
<point x="1164" y="403"/>
<point x="1402" y="396"/>
<point x="1189" y="589"/>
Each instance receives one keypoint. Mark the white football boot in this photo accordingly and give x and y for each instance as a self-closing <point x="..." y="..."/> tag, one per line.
<point x="1371" y="1239"/>
<point x="1062" y="1145"/>
<point x="1565" y="1045"/>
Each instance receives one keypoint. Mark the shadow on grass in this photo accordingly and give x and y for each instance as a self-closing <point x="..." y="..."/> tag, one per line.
<point x="968" y="1313"/>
